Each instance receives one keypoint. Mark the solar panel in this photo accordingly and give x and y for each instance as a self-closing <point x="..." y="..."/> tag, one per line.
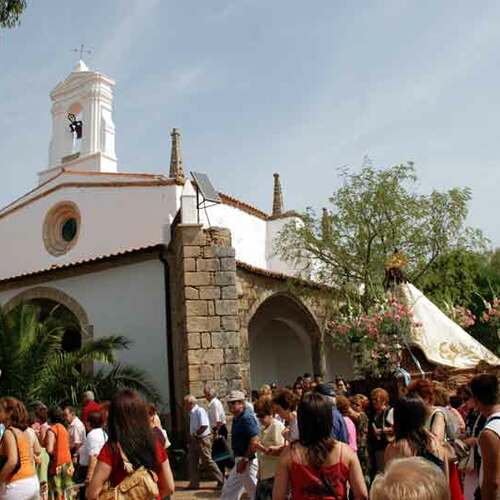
<point x="206" y="188"/>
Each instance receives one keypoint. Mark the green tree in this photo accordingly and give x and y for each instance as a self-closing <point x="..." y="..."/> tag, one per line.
<point x="468" y="279"/>
<point x="10" y="12"/>
<point x="35" y="366"/>
<point x="372" y="213"/>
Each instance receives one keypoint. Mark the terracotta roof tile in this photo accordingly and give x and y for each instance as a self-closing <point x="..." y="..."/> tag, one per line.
<point x="246" y="207"/>
<point x="90" y="260"/>
<point x="279" y="276"/>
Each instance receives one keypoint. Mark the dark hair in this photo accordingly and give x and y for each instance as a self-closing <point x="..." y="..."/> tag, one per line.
<point x="410" y="415"/>
<point x="56" y="415"/>
<point x="315" y="421"/>
<point x="17" y="415"/>
<point x="128" y="425"/>
<point x="95" y="419"/>
<point x="263" y="406"/>
<point x="455" y="402"/>
<point x="286" y="399"/>
<point x="485" y="389"/>
<point x="464" y="393"/>
<point x="423" y="388"/>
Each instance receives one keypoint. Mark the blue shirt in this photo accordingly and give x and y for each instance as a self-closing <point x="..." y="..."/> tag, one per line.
<point x="339" y="430"/>
<point x="244" y="429"/>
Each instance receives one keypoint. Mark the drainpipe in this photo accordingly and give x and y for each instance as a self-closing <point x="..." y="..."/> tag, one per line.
<point x="170" y="351"/>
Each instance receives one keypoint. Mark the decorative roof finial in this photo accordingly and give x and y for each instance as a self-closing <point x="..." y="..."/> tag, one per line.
<point x="277" y="197"/>
<point x="176" y="164"/>
<point x="326" y="224"/>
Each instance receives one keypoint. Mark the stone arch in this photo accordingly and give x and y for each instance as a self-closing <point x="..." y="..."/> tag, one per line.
<point x="284" y="339"/>
<point x="56" y="295"/>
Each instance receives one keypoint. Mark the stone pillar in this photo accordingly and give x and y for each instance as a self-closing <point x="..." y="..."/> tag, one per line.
<point x="205" y="321"/>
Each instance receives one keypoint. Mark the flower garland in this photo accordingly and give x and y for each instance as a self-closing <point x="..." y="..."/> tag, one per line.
<point x="376" y="340"/>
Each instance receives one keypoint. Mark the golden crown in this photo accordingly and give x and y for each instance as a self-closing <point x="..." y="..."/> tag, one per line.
<point x="397" y="260"/>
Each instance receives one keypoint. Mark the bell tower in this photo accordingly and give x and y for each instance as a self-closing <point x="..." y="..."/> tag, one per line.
<point x="83" y="132"/>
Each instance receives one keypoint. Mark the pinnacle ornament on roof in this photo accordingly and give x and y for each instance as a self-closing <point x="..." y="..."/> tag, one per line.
<point x="326" y="224"/>
<point x="176" y="164"/>
<point x="277" y="197"/>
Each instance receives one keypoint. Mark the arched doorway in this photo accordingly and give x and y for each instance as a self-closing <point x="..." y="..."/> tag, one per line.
<point x="283" y="341"/>
<point x="63" y="307"/>
<point x="72" y="338"/>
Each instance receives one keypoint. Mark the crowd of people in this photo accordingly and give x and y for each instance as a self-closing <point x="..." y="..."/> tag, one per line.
<point x="310" y="440"/>
<point x="52" y="453"/>
<point x="317" y="440"/>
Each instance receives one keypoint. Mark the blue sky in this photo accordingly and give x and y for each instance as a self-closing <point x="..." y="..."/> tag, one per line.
<point x="300" y="88"/>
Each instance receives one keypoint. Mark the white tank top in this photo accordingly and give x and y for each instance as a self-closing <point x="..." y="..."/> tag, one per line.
<point x="492" y="424"/>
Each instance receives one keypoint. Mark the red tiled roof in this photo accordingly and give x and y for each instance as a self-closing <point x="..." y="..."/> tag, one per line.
<point x="246" y="207"/>
<point x="279" y="276"/>
<point x="90" y="260"/>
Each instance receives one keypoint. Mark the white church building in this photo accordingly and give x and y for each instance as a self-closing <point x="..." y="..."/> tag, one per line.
<point x="200" y="293"/>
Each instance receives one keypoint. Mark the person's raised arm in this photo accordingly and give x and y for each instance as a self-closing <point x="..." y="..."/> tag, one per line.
<point x="166" y="482"/>
<point x="281" y="477"/>
<point x="10" y="451"/>
<point x="489" y="443"/>
<point x="101" y="474"/>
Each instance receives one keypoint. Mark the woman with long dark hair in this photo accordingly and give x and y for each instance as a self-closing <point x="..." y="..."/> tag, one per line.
<point x="318" y="466"/>
<point x="130" y="436"/>
<point x="411" y="437"/>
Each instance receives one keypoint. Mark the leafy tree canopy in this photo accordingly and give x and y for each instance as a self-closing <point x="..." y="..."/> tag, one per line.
<point x="10" y="12"/>
<point x="372" y="213"/>
<point x="470" y="280"/>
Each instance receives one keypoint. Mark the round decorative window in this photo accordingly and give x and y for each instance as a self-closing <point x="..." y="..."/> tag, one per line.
<point x="61" y="228"/>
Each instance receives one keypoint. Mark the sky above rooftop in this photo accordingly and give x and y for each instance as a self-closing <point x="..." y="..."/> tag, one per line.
<point x="256" y="87"/>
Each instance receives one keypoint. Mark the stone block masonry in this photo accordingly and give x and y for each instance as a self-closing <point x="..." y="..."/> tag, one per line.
<point x="206" y="324"/>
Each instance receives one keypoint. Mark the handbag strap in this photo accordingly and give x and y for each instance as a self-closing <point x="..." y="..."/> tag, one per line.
<point x="129" y="468"/>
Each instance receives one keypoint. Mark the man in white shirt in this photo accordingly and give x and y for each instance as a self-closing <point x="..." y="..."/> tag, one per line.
<point x="91" y="447"/>
<point x="216" y="413"/>
<point x="217" y="416"/>
<point x="200" y="444"/>
<point x="76" y="430"/>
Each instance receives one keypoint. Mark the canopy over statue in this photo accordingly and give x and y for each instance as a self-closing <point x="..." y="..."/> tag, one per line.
<point x="441" y="340"/>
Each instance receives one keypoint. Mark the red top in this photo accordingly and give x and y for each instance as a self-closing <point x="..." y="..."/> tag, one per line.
<point x="114" y="460"/>
<point x="328" y="482"/>
<point x="89" y="408"/>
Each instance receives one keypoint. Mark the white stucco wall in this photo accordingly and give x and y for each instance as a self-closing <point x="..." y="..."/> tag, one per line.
<point x="274" y="261"/>
<point x="128" y="300"/>
<point x="112" y="220"/>
<point x="248" y="232"/>
<point x="278" y="353"/>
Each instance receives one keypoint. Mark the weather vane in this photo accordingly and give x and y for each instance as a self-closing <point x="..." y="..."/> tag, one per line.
<point x="82" y="50"/>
